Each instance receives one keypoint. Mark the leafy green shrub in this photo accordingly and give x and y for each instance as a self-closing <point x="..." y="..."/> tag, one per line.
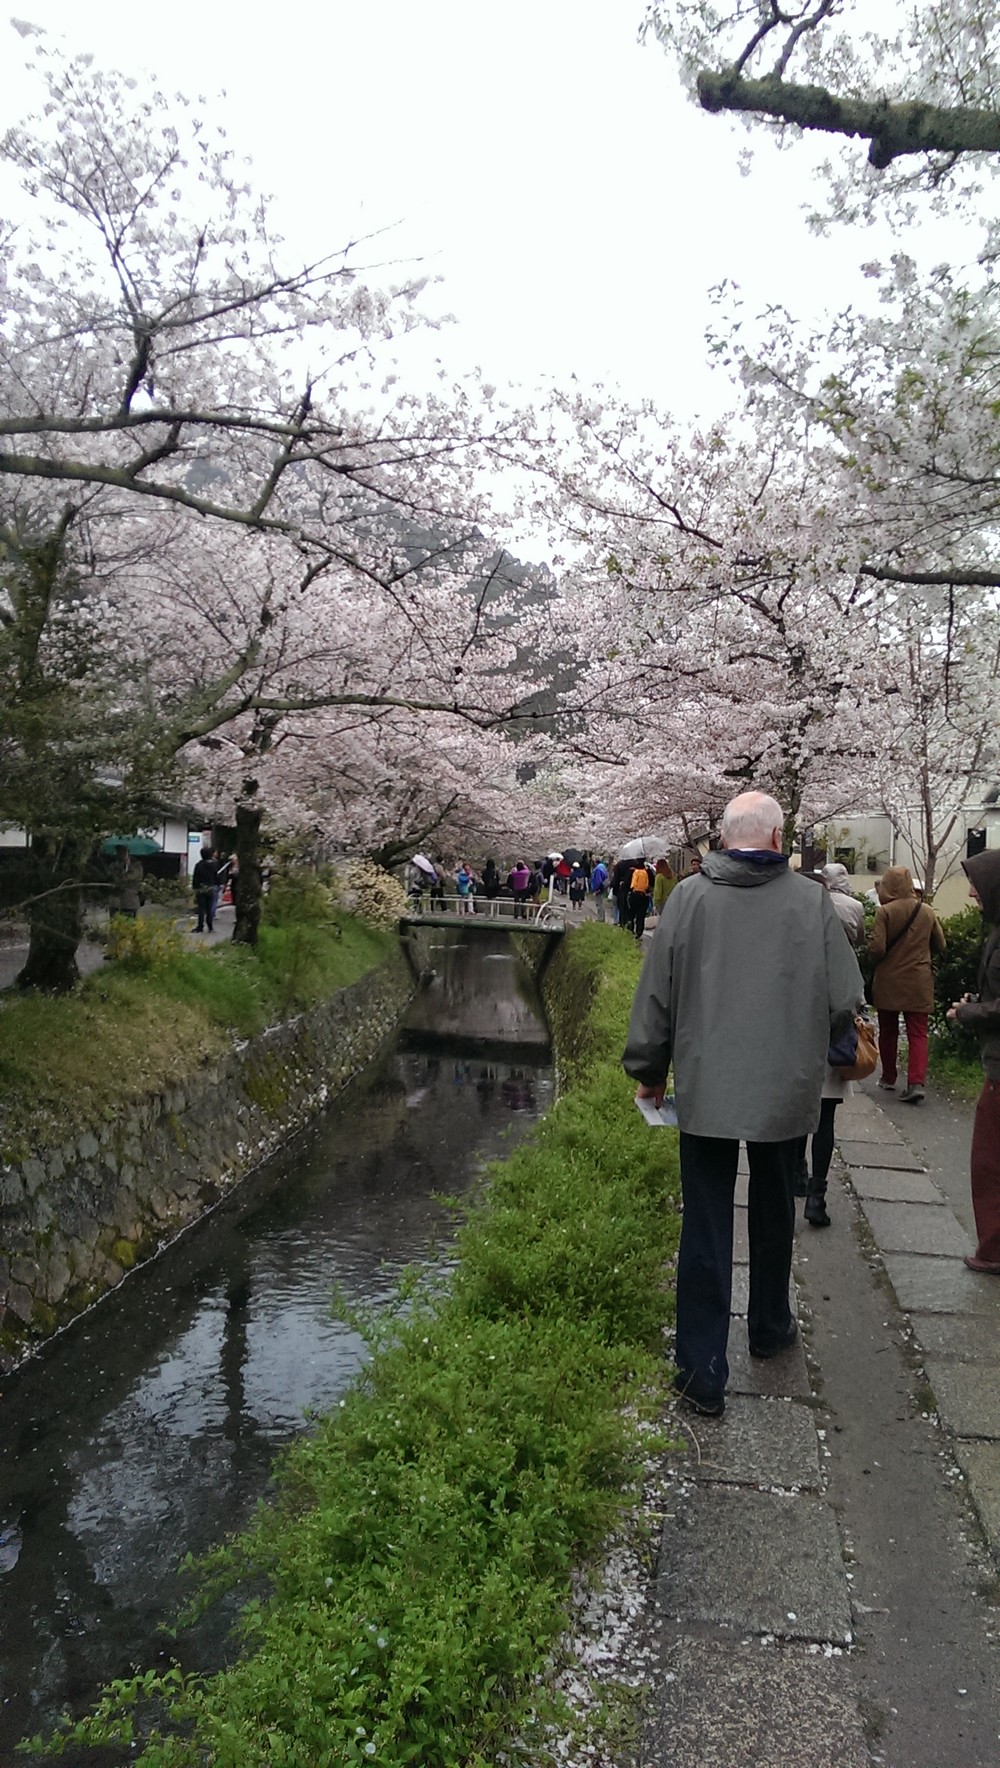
<point x="168" y="893"/>
<point x="956" y="972"/>
<point x="956" y="969"/>
<point x="146" y="943"/>
<point x="299" y="897"/>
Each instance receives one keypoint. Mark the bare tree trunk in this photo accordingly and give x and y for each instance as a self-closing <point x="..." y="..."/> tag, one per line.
<point x="247" y="883"/>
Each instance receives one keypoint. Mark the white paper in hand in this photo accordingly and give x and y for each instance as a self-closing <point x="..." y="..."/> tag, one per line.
<point x="660" y="1116"/>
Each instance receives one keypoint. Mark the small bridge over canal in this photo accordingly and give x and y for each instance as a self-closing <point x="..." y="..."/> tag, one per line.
<point x="489" y="916"/>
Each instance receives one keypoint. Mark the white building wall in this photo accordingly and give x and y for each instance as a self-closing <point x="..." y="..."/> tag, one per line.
<point x="873" y="837"/>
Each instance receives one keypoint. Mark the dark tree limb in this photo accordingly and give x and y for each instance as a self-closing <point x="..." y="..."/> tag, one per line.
<point x="957" y="576"/>
<point x="893" y="129"/>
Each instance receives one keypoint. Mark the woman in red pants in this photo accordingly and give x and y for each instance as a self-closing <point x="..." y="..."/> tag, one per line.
<point x="982" y="1015"/>
<point x="905" y="933"/>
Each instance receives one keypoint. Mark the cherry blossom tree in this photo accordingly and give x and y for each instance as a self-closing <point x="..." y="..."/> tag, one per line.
<point x="725" y="641"/>
<point x="941" y="688"/>
<point x="216" y="440"/>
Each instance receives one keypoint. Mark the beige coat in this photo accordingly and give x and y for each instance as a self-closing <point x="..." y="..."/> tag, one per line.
<point x="904" y="980"/>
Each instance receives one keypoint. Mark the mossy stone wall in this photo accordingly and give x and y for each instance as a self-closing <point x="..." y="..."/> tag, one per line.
<point x="74" y="1219"/>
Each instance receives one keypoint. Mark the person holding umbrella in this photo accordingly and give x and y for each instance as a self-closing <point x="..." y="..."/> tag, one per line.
<point x="426" y="878"/>
<point x="639" y="886"/>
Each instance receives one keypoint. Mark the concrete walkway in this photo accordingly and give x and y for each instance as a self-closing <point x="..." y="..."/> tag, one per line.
<point x="827" y="1589"/>
<point x="90" y="957"/>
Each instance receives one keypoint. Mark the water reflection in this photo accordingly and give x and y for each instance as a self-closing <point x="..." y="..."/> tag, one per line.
<point x="471" y="997"/>
<point x="149" y="1429"/>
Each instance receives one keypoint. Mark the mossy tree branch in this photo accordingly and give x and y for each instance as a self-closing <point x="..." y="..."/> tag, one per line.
<point x="893" y="129"/>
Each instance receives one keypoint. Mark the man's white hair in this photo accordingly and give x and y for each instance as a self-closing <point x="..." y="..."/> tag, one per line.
<point x="750" y="821"/>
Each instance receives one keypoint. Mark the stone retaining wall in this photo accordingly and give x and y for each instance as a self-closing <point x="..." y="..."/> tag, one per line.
<point x="74" y="1219"/>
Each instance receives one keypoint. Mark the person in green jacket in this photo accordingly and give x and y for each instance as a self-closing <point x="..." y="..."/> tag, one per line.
<point x="663" y="881"/>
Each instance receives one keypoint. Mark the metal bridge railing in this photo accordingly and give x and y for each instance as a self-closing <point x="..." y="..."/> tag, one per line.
<point x="481" y="908"/>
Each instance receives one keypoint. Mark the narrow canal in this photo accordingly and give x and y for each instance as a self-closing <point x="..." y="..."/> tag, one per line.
<point x="148" y="1430"/>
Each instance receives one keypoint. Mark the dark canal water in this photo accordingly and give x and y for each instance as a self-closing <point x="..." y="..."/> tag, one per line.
<point x="149" y="1428"/>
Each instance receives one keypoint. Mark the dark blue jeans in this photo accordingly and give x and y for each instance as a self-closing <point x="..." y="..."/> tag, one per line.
<point x="705" y="1260"/>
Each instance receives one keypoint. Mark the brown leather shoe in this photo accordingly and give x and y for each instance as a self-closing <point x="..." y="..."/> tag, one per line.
<point x="981" y="1265"/>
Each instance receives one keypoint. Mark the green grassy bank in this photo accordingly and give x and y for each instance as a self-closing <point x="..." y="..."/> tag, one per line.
<point x="144" y="1022"/>
<point x="408" y="1585"/>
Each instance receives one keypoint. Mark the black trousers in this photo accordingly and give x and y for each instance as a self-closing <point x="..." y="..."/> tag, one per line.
<point x="822" y="1149"/>
<point x="705" y="1260"/>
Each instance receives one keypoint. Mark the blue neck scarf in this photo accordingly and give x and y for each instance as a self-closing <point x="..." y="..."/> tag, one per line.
<point x="759" y="856"/>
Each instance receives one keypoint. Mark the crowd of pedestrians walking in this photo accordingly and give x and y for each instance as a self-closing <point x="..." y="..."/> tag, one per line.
<point x="752" y="995"/>
<point x="627" y="892"/>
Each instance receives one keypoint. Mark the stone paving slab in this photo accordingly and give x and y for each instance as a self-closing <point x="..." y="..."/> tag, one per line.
<point x="741" y="1294"/>
<point x="873" y="1126"/>
<point x="760" y="1442"/>
<point x="980" y="1462"/>
<point x="968" y="1397"/>
<point x="915" y="1227"/>
<point x="741" y="1237"/>
<point x="859" y="1103"/>
<point x="895" y="1187"/>
<point x="883" y="1155"/>
<point x="771" y="1379"/>
<point x="720" y="1701"/>
<point x="939" y="1286"/>
<point x="968" y="1338"/>
<point x="754" y="1560"/>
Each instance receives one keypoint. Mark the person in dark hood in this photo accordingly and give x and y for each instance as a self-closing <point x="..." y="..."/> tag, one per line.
<point x="748" y="980"/>
<point x="619" y="889"/>
<point x="981" y="1013"/>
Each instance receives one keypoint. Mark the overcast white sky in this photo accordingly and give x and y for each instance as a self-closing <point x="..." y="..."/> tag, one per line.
<point x="533" y="155"/>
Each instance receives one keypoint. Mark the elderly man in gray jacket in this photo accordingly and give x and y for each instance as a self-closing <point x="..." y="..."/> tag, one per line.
<point x="748" y="979"/>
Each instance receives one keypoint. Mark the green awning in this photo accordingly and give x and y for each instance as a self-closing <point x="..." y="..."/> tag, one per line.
<point x="138" y="844"/>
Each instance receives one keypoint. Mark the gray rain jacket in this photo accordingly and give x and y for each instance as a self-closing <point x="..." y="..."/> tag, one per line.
<point x="749" y="977"/>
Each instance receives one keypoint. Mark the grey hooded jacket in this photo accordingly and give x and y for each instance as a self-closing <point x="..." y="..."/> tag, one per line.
<point x="749" y="977"/>
<point x="846" y="904"/>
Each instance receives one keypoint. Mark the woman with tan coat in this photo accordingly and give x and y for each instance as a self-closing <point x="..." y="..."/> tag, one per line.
<point x="905" y="933"/>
